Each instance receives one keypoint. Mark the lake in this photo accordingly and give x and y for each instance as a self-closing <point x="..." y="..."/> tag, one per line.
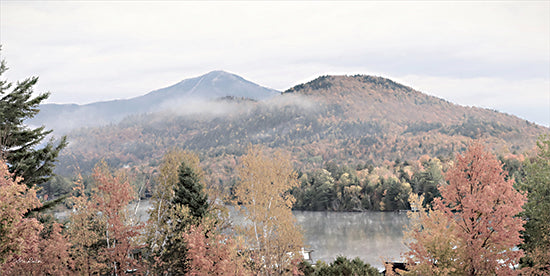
<point x="370" y="236"/>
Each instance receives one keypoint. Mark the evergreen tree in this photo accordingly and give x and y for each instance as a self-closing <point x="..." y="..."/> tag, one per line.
<point x="189" y="191"/>
<point x="340" y="266"/>
<point x="160" y="228"/>
<point x="19" y="144"/>
<point x="187" y="206"/>
<point x="428" y="181"/>
<point x="537" y="227"/>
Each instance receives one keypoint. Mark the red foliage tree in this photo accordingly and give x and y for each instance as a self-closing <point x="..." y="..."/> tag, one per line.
<point x="484" y="206"/>
<point x="211" y="253"/>
<point x="112" y="199"/>
<point x="474" y="228"/>
<point x="55" y="259"/>
<point x="48" y="255"/>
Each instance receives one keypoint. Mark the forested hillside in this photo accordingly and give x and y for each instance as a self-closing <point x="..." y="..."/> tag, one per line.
<point x="347" y="120"/>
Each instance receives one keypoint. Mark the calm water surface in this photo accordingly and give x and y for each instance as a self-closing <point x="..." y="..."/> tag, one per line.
<point x="371" y="236"/>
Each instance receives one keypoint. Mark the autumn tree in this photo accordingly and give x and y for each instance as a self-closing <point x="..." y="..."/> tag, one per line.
<point x="114" y="193"/>
<point x="212" y="253"/>
<point x="101" y="230"/>
<point x="265" y="201"/>
<point x="434" y="248"/>
<point x="485" y="207"/>
<point x="26" y="247"/>
<point x="536" y="211"/>
<point x="85" y="232"/>
<point x="19" y="144"/>
<point x="54" y="249"/>
<point x="478" y="207"/>
<point x="47" y="255"/>
<point x="178" y="202"/>
<point x="19" y="236"/>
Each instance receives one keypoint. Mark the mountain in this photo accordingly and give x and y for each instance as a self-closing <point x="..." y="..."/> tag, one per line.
<point x="342" y="119"/>
<point x="183" y="95"/>
<point x="216" y="84"/>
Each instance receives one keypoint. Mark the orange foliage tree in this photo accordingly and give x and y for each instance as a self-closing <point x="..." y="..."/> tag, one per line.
<point x="432" y="240"/>
<point x="54" y="250"/>
<point x="15" y="201"/>
<point x="18" y="235"/>
<point x="212" y="253"/>
<point x="485" y="207"/>
<point x="48" y="255"/>
<point x="481" y="209"/>
<point x="22" y="249"/>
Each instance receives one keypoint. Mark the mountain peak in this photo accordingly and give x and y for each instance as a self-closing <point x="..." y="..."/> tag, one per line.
<point x="217" y="73"/>
<point x="213" y="85"/>
<point x="355" y="82"/>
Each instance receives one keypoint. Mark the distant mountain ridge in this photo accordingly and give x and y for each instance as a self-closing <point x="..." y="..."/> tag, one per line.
<point x="211" y="86"/>
<point x="342" y="119"/>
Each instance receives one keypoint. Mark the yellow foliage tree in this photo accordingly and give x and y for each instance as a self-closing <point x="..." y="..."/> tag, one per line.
<point x="263" y="194"/>
<point x="434" y="247"/>
<point x="84" y="233"/>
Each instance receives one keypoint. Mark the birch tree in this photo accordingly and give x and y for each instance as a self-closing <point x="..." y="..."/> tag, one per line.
<point x="114" y="193"/>
<point x="265" y="202"/>
<point x="100" y="228"/>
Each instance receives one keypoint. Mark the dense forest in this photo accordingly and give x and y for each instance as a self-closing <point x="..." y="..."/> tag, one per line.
<point x="381" y="133"/>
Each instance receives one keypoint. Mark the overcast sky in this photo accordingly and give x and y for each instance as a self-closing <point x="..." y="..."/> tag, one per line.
<point x="489" y="54"/>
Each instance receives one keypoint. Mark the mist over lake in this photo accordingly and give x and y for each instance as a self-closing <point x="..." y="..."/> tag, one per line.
<point x="371" y="236"/>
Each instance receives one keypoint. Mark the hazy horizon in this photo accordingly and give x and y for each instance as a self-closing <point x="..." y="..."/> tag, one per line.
<point x="489" y="54"/>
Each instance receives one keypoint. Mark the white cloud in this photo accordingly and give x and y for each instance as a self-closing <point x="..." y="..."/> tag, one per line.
<point x="90" y="51"/>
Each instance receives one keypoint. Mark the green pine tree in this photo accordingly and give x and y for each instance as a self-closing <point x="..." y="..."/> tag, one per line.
<point x="189" y="191"/>
<point x="20" y="145"/>
<point x="537" y="227"/>
<point x="188" y="206"/>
